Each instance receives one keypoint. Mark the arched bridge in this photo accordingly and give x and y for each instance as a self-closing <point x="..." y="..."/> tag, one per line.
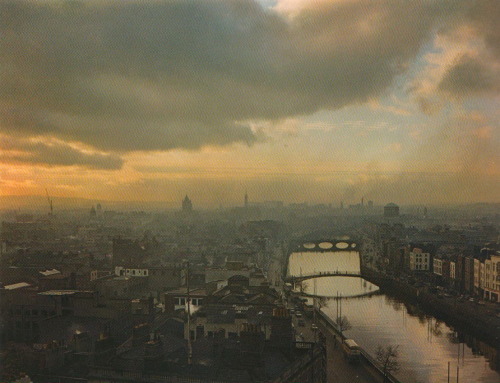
<point x="321" y="246"/>
<point x="324" y="245"/>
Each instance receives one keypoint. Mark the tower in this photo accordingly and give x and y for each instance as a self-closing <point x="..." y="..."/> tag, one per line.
<point x="246" y="200"/>
<point x="187" y="205"/>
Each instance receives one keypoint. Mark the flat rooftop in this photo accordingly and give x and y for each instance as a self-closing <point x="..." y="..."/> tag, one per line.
<point x="17" y="286"/>
<point x="59" y="292"/>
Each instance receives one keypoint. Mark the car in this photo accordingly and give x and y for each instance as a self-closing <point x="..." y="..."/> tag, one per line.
<point x="351" y="350"/>
<point x="298" y="314"/>
<point x="314" y="327"/>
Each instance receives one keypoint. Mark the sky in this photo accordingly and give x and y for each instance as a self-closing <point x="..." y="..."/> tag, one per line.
<point x="296" y="100"/>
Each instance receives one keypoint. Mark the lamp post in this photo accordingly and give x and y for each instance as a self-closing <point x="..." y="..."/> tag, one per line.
<point x="190" y="348"/>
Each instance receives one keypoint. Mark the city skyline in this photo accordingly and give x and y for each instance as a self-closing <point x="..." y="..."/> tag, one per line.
<point x="289" y="100"/>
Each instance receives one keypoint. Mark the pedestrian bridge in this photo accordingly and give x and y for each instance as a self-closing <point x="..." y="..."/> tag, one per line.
<point x="300" y="278"/>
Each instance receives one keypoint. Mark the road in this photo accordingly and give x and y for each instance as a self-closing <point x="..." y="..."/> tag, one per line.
<point x="339" y="370"/>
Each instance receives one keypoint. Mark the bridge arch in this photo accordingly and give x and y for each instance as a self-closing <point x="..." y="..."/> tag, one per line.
<point x="324" y="245"/>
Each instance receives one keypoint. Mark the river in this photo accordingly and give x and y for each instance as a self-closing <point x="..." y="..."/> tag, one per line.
<point x="425" y="345"/>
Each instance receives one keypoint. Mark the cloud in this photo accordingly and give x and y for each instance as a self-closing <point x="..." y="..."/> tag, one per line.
<point x="158" y="75"/>
<point x="54" y="153"/>
<point x="465" y="59"/>
<point x="470" y="76"/>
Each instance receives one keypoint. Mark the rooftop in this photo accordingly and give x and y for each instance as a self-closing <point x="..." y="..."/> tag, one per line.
<point x="183" y="290"/>
<point x="49" y="272"/>
<point x="17" y="286"/>
<point x="59" y="292"/>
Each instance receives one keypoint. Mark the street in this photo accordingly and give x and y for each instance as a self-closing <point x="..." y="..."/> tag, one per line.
<point x="339" y="370"/>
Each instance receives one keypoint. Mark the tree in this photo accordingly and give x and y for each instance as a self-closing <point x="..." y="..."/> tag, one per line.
<point x="343" y="324"/>
<point x="303" y="286"/>
<point x="388" y="359"/>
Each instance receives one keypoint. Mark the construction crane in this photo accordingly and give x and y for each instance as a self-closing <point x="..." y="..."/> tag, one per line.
<point x="50" y="202"/>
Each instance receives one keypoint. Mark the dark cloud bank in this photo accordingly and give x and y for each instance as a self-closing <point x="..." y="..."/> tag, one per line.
<point x="156" y="75"/>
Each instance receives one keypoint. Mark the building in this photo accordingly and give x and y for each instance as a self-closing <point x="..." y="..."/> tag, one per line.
<point x="477" y="277"/>
<point x="187" y="205"/>
<point x="177" y="299"/>
<point x="491" y="278"/>
<point x="391" y="210"/>
<point x="453" y="272"/>
<point x="419" y="260"/>
<point x="438" y="266"/>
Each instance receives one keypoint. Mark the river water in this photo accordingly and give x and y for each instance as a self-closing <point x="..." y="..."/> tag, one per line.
<point x="425" y="345"/>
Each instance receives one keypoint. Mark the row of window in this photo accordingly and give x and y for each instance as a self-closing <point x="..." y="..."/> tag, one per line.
<point x="145" y="272"/>
<point x="194" y="301"/>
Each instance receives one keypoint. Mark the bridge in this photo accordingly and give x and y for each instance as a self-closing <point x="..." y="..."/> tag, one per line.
<point x="365" y="273"/>
<point x="324" y="245"/>
<point x="320" y="246"/>
<point x="300" y="278"/>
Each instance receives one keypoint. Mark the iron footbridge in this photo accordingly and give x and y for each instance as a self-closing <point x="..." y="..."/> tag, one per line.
<point x="300" y="278"/>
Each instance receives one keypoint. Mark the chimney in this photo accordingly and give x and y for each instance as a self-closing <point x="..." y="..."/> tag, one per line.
<point x="72" y="281"/>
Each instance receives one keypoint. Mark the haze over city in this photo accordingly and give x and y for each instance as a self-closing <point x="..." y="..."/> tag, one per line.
<point x="293" y="100"/>
<point x="252" y="191"/>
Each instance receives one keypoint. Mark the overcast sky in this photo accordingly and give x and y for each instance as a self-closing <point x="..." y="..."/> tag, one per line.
<point x="294" y="100"/>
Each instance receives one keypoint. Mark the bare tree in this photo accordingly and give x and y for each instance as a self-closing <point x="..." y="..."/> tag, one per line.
<point x="321" y="302"/>
<point x="388" y="359"/>
<point x="343" y="324"/>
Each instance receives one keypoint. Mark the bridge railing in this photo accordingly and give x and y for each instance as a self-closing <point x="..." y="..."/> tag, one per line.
<point x="326" y="274"/>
